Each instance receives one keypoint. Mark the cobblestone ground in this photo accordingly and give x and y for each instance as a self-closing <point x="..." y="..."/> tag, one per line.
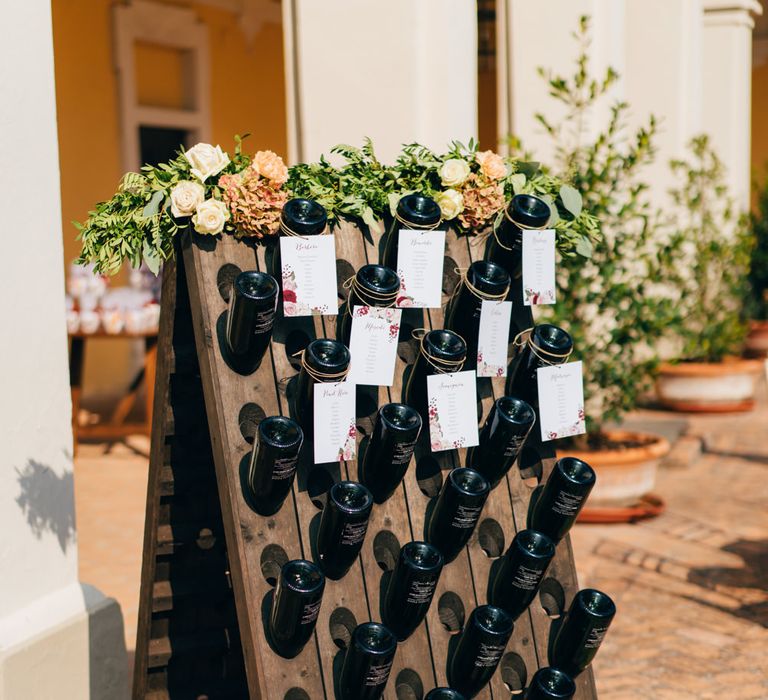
<point x="691" y="586"/>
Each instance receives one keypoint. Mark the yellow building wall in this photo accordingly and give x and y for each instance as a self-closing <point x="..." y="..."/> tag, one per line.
<point x="759" y="121"/>
<point x="247" y="95"/>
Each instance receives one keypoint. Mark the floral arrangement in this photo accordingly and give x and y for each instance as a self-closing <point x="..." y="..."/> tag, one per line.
<point x="244" y="195"/>
<point x="202" y="186"/>
<point x="471" y="187"/>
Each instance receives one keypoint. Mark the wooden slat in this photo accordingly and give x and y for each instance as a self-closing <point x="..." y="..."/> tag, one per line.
<point x="248" y="534"/>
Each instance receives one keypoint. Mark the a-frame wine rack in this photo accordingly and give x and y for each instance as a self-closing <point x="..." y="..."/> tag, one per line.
<point x="210" y="561"/>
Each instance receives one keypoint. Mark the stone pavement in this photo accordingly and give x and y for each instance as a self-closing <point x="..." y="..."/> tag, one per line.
<point x="691" y="586"/>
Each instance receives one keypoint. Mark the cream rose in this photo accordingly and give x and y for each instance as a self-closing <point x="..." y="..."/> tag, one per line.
<point x="454" y="172"/>
<point x="185" y="197"/>
<point x="271" y="166"/>
<point x="451" y="204"/>
<point x="491" y="165"/>
<point x="210" y="216"/>
<point x="206" y="160"/>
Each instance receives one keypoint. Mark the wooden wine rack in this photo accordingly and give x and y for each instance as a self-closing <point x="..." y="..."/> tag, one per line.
<point x="210" y="561"/>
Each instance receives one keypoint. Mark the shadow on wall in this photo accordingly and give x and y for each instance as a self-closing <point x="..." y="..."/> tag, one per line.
<point x="46" y="500"/>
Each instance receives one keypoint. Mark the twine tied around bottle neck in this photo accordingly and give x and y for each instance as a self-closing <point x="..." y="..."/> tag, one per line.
<point x="484" y="296"/>
<point x="525" y="337"/>
<point x="288" y="231"/>
<point x="369" y="297"/>
<point x="317" y="375"/>
<point x="440" y="364"/>
<point x="417" y="227"/>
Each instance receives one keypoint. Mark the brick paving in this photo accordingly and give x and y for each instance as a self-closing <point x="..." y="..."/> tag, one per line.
<point x="691" y="586"/>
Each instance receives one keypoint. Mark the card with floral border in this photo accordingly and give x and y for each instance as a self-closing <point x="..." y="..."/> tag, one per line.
<point x="334" y="422"/>
<point x="561" y="400"/>
<point x="451" y="425"/>
<point x="539" y="267"/>
<point x="309" y="275"/>
<point x="373" y="345"/>
<point x="493" y="338"/>
<point x="420" y="256"/>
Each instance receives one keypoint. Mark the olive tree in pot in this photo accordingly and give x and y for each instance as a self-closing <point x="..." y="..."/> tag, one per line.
<point x="713" y="248"/>
<point x="756" y="344"/>
<point x="615" y="305"/>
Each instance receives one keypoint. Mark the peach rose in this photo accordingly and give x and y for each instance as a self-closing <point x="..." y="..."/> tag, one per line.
<point x="491" y="165"/>
<point x="271" y="166"/>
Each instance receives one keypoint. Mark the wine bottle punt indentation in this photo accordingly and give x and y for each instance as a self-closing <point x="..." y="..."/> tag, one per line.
<point x="389" y="451"/>
<point x="502" y="438"/>
<point x="457" y="510"/>
<point x="561" y="499"/>
<point x="343" y="525"/>
<point x="303" y="217"/>
<point x="582" y="632"/>
<point x="414" y="211"/>
<point x="479" y="650"/>
<point x="251" y="315"/>
<point x="368" y="661"/>
<point x="295" y="606"/>
<point x="411" y="587"/>
<point x="274" y="457"/>
<point x="444" y="694"/>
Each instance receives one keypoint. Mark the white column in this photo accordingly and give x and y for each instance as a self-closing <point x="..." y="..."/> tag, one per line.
<point x="397" y="71"/>
<point x="538" y="33"/>
<point x="663" y="77"/>
<point x="727" y="70"/>
<point x="58" y="639"/>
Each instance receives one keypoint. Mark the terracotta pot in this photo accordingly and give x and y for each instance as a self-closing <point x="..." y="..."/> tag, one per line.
<point x="716" y="387"/>
<point x="624" y="476"/>
<point x="756" y="344"/>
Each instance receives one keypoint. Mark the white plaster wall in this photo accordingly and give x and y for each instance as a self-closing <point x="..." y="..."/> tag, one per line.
<point x="38" y="552"/>
<point x="397" y="71"/>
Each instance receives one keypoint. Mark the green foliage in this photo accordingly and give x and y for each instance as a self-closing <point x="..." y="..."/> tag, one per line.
<point x="715" y="244"/>
<point x="757" y="301"/>
<point x="614" y="305"/>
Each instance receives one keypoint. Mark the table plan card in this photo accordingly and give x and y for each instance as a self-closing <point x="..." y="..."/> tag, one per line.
<point x="561" y="400"/>
<point x="452" y="413"/>
<point x="309" y="275"/>
<point x="539" y="267"/>
<point x="334" y="422"/>
<point x="373" y="345"/>
<point x="420" y="256"/>
<point x="493" y="338"/>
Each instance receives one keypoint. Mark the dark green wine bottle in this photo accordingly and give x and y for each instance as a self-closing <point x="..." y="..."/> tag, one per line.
<point x="367" y="663"/>
<point x="551" y="684"/>
<point x="372" y="285"/>
<point x="414" y="211"/>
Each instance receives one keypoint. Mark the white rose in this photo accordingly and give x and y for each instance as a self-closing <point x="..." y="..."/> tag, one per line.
<point x="185" y="197"/>
<point x="451" y="204"/>
<point x="453" y="172"/>
<point x="206" y="160"/>
<point x="210" y="216"/>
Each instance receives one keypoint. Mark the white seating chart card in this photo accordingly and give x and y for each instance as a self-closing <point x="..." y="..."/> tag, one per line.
<point x="493" y="338"/>
<point x="334" y="422"/>
<point x="561" y="400"/>
<point x="452" y="410"/>
<point x="539" y="267"/>
<point x="373" y="345"/>
<point x="309" y="275"/>
<point x="420" y="256"/>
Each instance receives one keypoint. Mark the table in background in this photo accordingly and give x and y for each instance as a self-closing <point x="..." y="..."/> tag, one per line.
<point x="116" y="428"/>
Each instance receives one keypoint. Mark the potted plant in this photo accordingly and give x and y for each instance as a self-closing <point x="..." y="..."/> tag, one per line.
<point x="710" y="279"/>
<point x="614" y="305"/>
<point x="756" y="344"/>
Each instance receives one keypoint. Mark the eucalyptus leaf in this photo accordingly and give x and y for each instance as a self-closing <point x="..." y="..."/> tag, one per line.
<point x="153" y="205"/>
<point x="529" y="169"/>
<point x="151" y="258"/>
<point x="584" y="247"/>
<point x="571" y="199"/>
<point x="518" y="181"/>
